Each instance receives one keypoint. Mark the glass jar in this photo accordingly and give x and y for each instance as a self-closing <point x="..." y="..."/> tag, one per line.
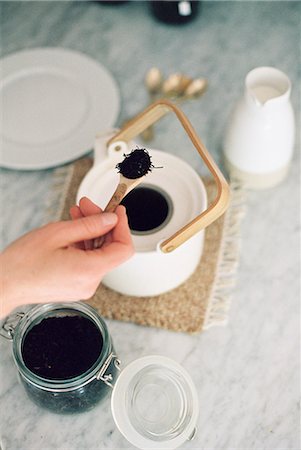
<point x="72" y="395"/>
<point x="154" y="402"/>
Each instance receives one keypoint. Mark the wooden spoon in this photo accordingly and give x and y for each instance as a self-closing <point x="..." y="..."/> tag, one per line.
<point x="132" y="170"/>
<point x="175" y="85"/>
<point x="153" y="81"/>
<point x="196" y="88"/>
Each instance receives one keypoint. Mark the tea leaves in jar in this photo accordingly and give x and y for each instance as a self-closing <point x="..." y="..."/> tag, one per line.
<point x="63" y="355"/>
<point x="62" y="347"/>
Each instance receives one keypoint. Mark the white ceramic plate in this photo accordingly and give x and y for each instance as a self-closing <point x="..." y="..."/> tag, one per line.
<point x="54" y="101"/>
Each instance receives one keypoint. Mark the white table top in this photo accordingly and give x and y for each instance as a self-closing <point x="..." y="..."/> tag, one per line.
<point x="247" y="374"/>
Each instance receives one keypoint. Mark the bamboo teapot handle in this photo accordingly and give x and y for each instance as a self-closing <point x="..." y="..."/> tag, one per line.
<point x="219" y="205"/>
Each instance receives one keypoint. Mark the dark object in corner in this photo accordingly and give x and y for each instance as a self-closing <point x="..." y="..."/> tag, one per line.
<point x="175" y="12"/>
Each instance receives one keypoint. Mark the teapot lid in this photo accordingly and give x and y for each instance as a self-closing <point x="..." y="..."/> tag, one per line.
<point x="155" y="403"/>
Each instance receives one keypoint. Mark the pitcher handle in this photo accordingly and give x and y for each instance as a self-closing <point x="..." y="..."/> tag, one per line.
<point x="219" y="205"/>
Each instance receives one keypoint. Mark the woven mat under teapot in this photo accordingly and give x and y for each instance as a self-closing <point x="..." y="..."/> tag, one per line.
<point x="199" y="303"/>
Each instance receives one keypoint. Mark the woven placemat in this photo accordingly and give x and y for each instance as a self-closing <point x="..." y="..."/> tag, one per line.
<point x="199" y="303"/>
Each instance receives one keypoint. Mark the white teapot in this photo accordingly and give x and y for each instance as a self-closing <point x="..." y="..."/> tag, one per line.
<point x="167" y="252"/>
<point x="259" y="140"/>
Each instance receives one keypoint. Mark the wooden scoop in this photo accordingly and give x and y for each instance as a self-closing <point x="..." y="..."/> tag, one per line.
<point x="132" y="170"/>
<point x="125" y="186"/>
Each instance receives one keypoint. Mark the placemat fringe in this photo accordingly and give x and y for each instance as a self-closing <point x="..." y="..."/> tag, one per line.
<point x="228" y="260"/>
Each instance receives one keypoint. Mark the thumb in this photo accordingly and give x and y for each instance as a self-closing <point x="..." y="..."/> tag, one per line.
<point x="90" y="227"/>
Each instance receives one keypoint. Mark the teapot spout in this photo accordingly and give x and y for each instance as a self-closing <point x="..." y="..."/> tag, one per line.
<point x="267" y="84"/>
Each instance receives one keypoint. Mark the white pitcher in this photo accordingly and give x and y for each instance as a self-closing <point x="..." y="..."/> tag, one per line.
<point x="259" y="140"/>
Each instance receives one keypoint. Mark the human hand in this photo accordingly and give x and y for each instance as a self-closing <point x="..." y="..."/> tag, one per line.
<point x="50" y="264"/>
<point x="87" y="208"/>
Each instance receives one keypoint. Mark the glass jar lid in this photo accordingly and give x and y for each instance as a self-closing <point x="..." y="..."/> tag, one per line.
<point x="155" y="404"/>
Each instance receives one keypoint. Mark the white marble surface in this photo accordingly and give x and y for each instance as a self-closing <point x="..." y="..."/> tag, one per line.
<point x="247" y="374"/>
